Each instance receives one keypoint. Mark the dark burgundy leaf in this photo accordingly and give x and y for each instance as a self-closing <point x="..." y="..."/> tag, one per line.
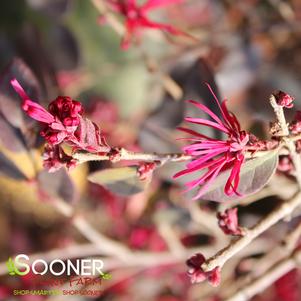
<point x="191" y="77"/>
<point x="90" y="137"/>
<point x="9" y="100"/>
<point x="10" y="137"/>
<point x="67" y="55"/>
<point x="58" y="184"/>
<point x="153" y="138"/>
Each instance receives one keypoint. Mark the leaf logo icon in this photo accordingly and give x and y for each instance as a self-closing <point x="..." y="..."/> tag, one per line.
<point x="10" y="266"/>
<point x="106" y="276"/>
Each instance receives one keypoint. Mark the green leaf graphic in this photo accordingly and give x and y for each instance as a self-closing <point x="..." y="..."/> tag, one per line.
<point x="10" y="267"/>
<point x="105" y="276"/>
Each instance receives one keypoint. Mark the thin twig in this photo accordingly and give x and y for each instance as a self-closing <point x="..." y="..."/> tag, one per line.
<point x="286" y="209"/>
<point x="123" y="154"/>
<point x="286" y="139"/>
<point x="265" y="262"/>
<point x="207" y="220"/>
<point x="104" y="244"/>
<point x="110" y="18"/>
<point x="111" y="248"/>
<point x="264" y="281"/>
<point x="219" y="259"/>
<point x="171" y="238"/>
<point x="292" y="238"/>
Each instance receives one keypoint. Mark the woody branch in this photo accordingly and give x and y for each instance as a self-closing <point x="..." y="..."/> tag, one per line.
<point x="275" y="272"/>
<point x="286" y="209"/>
<point x="270" y="268"/>
<point x="120" y="154"/>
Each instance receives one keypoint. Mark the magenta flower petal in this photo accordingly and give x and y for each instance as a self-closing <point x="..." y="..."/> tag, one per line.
<point x="33" y="109"/>
<point x="196" y="168"/>
<point x="16" y="85"/>
<point x="37" y="112"/>
<point x="136" y="18"/>
<point x="230" y="117"/>
<point x="207" y="123"/>
<point x="233" y="181"/>
<point x="206" y="110"/>
<point x="205" y="158"/>
<point x="210" y="179"/>
<point x="218" y="104"/>
<point x="208" y="144"/>
<point x="194" y="133"/>
<point x="63" y="122"/>
<point x="207" y="174"/>
<point x="212" y="156"/>
<point x="152" y="4"/>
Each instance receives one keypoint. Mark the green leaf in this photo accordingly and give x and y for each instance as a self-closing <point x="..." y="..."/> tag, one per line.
<point x="106" y="276"/>
<point x="10" y="266"/>
<point x="122" y="181"/>
<point x="254" y="174"/>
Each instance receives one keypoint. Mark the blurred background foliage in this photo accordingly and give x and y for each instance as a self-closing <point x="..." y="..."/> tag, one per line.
<point x="245" y="50"/>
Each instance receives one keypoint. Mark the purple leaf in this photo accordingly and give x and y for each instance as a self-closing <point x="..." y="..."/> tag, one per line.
<point x="67" y="56"/>
<point x="191" y="76"/>
<point x="90" y="138"/>
<point x="58" y="184"/>
<point x="10" y="103"/>
<point x="122" y="181"/>
<point x="10" y="137"/>
<point x="254" y="174"/>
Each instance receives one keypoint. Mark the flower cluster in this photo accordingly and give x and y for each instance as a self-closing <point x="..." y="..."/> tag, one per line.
<point x="136" y="17"/>
<point x="295" y="126"/>
<point x="228" y="222"/>
<point x="213" y="155"/>
<point x="54" y="158"/>
<point x="196" y="273"/>
<point x="284" y="100"/>
<point x="62" y="122"/>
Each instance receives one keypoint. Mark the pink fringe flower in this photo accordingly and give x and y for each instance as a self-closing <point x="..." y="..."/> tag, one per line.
<point x="285" y="100"/>
<point x="228" y="222"/>
<point x="196" y="273"/>
<point x="60" y="122"/>
<point x="136" y="17"/>
<point x="212" y="156"/>
<point x="63" y="122"/>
